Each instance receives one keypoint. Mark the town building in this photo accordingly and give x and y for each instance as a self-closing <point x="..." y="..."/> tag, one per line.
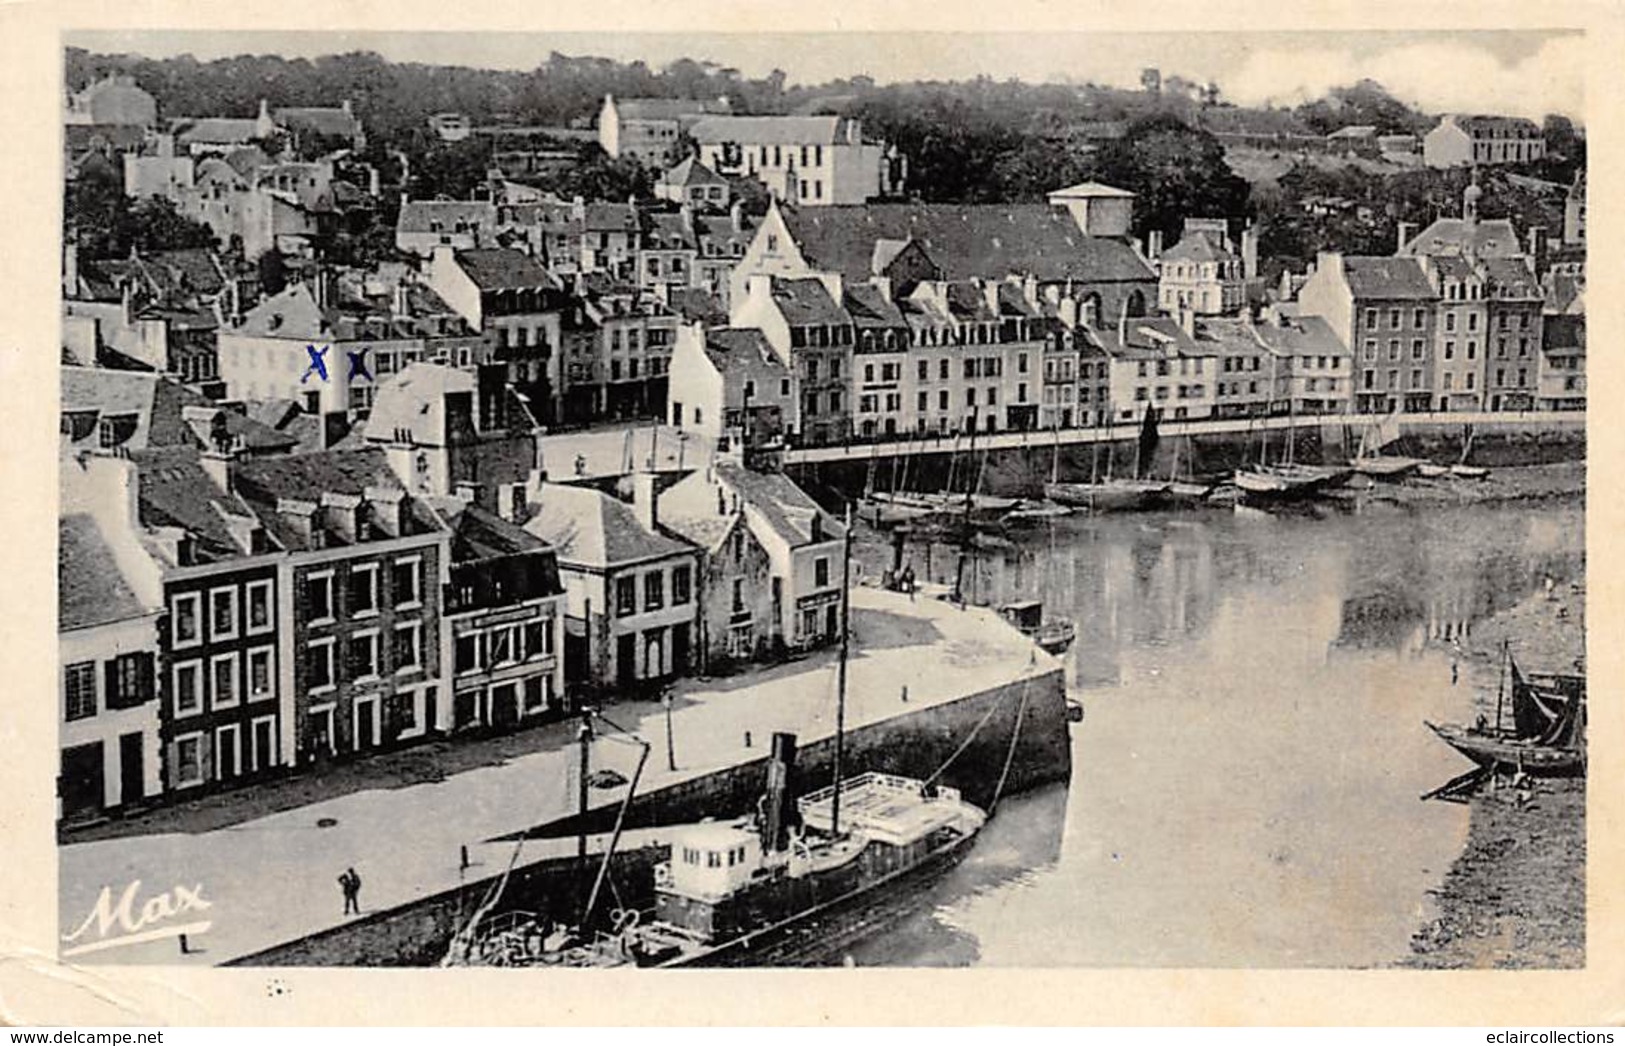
<point x="802" y="542"/>
<point x="114" y="100"/>
<point x="880" y="360"/>
<point x="1254" y="378"/>
<point x="616" y="352"/>
<point x="1205" y="271"/>
<point x="813" y="161"/>
<point x="1562" y="381"/>
<point x="1097" y="209"/>
<point x="693" y="183"/>
<point x="107" y="641"/>
<point x="506" y="295"/>
<point x="451" y="127"/>
<point x="323" y="128"/>
<point x="576" y="237"/>
<point x="157" y="311"/>
<point x="362" y="581"/>
<point x="805" y="323"/>
<point x="1459" y="141"/>
<point x="907" y="243"/>
<point x="119" y="411"/>
<point x="1157" y="361"/>
<point x="503" y="615"/>
<point x="1317" y="369"/>
<point x="424" y="225"/>
<point x="630" y="586"/>
<point x="1384" y="309"/>
<point x="158" y="172"/>
<point x="651" y="130"/>
<point x="729" y="387"/>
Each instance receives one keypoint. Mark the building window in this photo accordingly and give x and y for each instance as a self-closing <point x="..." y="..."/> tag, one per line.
<point x="184" y="615"/>
<point x="363" y="658"/>
<point x="223" y="613"/>
<point x="1371" y="348"/>
<point x="681" y="586"/>
<point x="319" y="597"/>
<point x="80" y="680"/>
<point x="1371" y="318"/>
<point x="466" y="653"/>
<point x="739" y="596"/>
<point x="538" y="639"/>
<point x="188" y="688"/>
<point x="1393" y="349"/>
<point x="502" y="649"/>
<point x="1420" y="320"/>
<point x="259" y="673"/>
<point x="321" y="665"/>
<point x="1416" y="349"/>
<point x="1450" y="321"/>
<point x="1393" y="319"/>
<point x="538" y="693"/>
<point x="1449" y="350"/>
<point x="404" y="581"/>
<point x="407" y="646"/>
<point x="223" y="676"/>
<point x="626" y="596"/>
<point x="189" y="760"/>
<point x="821" y="572"/>
<point x="363" y="589"/>
<point x="259" y="607"/>
<point x="654" y="590"/>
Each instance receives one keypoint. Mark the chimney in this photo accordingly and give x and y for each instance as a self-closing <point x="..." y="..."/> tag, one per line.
<point x="736" y="216"/>
<point x="1029" y="290"/>
<point x="1154" y="250"/>
<point x="335" y="426"/>
<point x="775" y="809"/>
<point x="374" y="184"/>
<point x="1249" y="253"/>
<point x="1330" y="261"/>
<point x="401" y="306"/>
<point x="346" y="512"/>
<point x="1187" y="320"/>
<point x="1122" y="324"/>
<point x="467" y="491"/>
<point x="644" y="499"/>
<point x="391" y="508"/>
<point x="990" y="295"/>
<point x="70" y="269"/>
<point x="578" y="209"/>
<point x="1537" y="248"/>
<point x="299" y="516"/>
<point x="345" y="105"/>
<point x="1403" y="238"/>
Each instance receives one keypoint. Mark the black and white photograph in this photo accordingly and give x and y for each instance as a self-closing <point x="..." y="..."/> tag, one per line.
<point x="835" y="500"/>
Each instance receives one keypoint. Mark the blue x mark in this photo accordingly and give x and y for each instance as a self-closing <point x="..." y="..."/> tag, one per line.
<point x="358" y="364"/>
<point x="318" y="363"/>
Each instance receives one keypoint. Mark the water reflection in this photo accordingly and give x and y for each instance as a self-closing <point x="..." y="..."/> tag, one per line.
<point x="1245" y="785"/>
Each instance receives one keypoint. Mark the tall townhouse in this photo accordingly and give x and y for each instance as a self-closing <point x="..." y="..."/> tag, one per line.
<point x="107" y="644"/>
<point x="1563" y="364"/>
<point x="1513" y="335"/>
<point x="617" y="349"/>
<point x="363" y="576"/>
<point x="1461" y="331"/>
<point x="1385" y="310"/>
<point x="1156" y="361"/>
<point x="881" y="383"/>
<point x="804" y="321"/>
<point x="1319" y="368"/>
<point x="629" y="584"/>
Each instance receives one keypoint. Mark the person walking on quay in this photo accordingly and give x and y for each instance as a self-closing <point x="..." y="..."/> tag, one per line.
<point x="350" y="883"/>
<point x="908" y="580"/>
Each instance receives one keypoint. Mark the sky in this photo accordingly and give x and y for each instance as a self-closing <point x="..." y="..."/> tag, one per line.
<point x="1514" y="72"/>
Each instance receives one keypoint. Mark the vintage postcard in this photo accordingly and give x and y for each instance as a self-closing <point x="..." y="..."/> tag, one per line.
<point x="1084" y="520"/>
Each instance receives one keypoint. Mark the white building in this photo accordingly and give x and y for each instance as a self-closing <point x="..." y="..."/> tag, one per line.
<point x="807" y="160"/>
<point x="1459" y="141"/>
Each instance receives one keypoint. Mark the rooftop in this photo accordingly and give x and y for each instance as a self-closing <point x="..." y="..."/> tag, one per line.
<point x="1090" y="191"/>
<point x="770" y="130"/>
<point x="502" y="268"/>
<point x="1383" y="277"/>
<point x="445" y="215"/>
<point x="792" y="514"/>
<point x="91" y="590"/>
<point x="1492" y="238"/>
<point x="589" y="528"/>
<point x="807" y="301"/>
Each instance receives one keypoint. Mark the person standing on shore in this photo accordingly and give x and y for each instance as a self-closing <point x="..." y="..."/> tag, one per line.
<point x="350" y="883"/>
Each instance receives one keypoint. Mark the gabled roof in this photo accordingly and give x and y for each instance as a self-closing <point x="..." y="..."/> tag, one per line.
<point x="1090" y="191"/>
<point x="1151" y="337"/>
<point x="986" y="240"/>
<point x="1197" y="247"/>
<point x="76" y="138"/>
<point x="588" y="528"/>
<point x="1494" y="238"/>
<point x="291" y="313"/>
<point x="1355" y="131"/>
<point x="697" y="305"/>
<point x="1511" y="277"/>
<point x="966" y="301"/>
<point x="807" y="301"/>
<point x="667" y="108"/>
<point x="1382" y="277"/>
<point x="1496" y="126"/>
<point x="502" y="268"/>
<point x="91" y="590"/>
<point x="743" y="352"/>
<point x="246" y="159"/>
<point x="668" y="232"/>
<point x="610" y="217"/>
<point x="1564" y="294"/>
<point x="144" y="408"/>
<point x="719" y="229"/>
<point x="770" y="130"/>
<point x="477" y="534"/>
<point x="1303" y="336"/>
<point x="418" y="215"/>
<point x="332" y="122"/>
<point x="785" y="507"/>
<point x="306" y="477"/>
<point x="692" y="172"/>
<point x="707" y="531"/>
<point x="414" y="401"/>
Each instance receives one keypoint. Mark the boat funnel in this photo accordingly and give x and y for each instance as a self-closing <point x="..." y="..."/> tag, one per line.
<point x="781" y="762"/>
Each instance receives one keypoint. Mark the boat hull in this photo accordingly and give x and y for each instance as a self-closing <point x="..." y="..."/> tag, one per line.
<point x="1116" y="496"/>
<point x="1387" y="467"/>
<point x="1489" y="751"/>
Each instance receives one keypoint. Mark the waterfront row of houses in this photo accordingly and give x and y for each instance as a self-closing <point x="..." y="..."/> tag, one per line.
<point x="233" y="607"/>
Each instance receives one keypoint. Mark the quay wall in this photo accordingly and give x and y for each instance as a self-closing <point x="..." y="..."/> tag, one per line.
<point x="1019" y="464"/>
<point x="913" y="744"/>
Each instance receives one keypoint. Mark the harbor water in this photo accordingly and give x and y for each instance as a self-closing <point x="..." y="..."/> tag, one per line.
<point x="1246" y="780"/>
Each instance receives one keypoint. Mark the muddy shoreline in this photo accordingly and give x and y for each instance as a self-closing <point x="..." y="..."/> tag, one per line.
<point x="1515" y="898"/>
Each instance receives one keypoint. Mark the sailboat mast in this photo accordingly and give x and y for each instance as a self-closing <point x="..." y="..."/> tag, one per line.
<point x="1501" y="685"/>
<point x="584" y="737"/>
<point x="840" y="674"/>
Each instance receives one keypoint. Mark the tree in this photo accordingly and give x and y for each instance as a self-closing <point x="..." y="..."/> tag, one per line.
<point x="156" y="224"/>
<point x="273" y="272"/>
<point x="1177" y="172"/>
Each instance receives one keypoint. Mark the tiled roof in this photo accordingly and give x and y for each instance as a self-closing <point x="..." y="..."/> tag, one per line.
<point x="1512" y="276"/>
<point x="292" y="313"/>
<point x="477" y="534"/>
<point x="706" y="531"/>
<point x="668" y="232"/>
<point x="807" y="301"/>
<point x="720" y="230"/>
<point x="769" y="130"/>
<point x="986" y="240"/>
<point x="91" y="590"/>
<point x="589" y="528"/>
<point x="1495" y="238"/>
<point x="246" y="159"/>
<point x="1374" y="277"/>
<point x="414" y="401"/>
<point x="692" y="172"/>
<point x="195" y="268"/>
<point x="76" y="138"/>
<point x="175" y="491"/>
<point x="1497" y="126"/>
<point x="611" y="217"/>
<point x="784" y="506"/>
<point x="332" y="122"/>
<point x="1303" y="336"/>
<point x="1564" y="334"/>
<point x="966" y="301"/>
<point x="1151" y="337"/>
<point x="666" y="108"/>
<point x="500" y="268"/>
<point x="697" y="305"/>
<point x="416" y="215"/>
<point x="218" y="129"/>
<point x="743" y="351"/>
<point x="869" y="307"/>
<point x="1197" y="246"/>
<point x="1229" y="337"/>
<point x="307" y="476"/>
<point x="145" y="408"/>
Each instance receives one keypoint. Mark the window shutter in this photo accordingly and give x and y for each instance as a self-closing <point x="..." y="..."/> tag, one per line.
<point x="112" y="696"/>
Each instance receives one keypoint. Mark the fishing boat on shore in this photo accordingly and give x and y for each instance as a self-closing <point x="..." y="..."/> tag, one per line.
<point x="1269" y="483"/>
<point x="1371" y="461"/>
<point x="1109" y="494"/>
<point x="1547" y="736"/>
<point x="1052" y="637"/>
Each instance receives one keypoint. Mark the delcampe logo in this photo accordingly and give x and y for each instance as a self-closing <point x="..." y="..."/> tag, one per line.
<point x="112" y="925"/>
